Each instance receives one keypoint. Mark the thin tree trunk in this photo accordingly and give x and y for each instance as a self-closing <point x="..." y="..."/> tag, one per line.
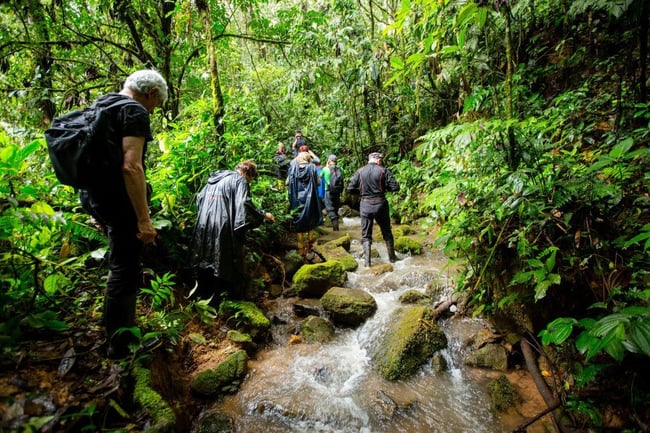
<point x="643" y="50"/>
<point x="215" y="85"/>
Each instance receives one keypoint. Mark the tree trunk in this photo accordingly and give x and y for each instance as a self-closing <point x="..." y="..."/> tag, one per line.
<point x="215" y="85"/>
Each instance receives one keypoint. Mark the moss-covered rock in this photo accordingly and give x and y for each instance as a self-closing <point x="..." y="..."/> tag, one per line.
<point x="312" y="281"/>
<point x="340" y="254"/>
<point x="414" y="297"/>
<point x="408" y="343"/>
<point x="344" y="242"/>
<point x="214" y="422"/>
<point x="244" y="316"/>
<point x="379" y="269"/>
<point x="292" y="261"/>
<point x="404" y="244"/>
<point x="348" y="307"/>
<point x="222" y="379"/>
<point x="315" y="329"/>
<point x="503" y="395"/>
<point x="163" y="418"/>
<point x="491" y="356"/>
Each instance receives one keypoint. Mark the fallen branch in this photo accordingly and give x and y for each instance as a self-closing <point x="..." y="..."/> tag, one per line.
<point x="441" y="308"/>
<point x="522" y="427"/>
<point x="552" y="403"/>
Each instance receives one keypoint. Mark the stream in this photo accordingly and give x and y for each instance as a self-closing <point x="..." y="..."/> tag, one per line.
<point x="332" y="388"/>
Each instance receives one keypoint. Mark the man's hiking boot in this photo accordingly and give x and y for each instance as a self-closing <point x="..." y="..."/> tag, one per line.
<point x="366" y="253"/>
<point x="119" y="312"/>
<point x="390" y="246"/>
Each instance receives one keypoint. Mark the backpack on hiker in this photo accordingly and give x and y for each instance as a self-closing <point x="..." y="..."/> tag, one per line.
<point x="80" y="150"/>
<point x="336" y="180"/>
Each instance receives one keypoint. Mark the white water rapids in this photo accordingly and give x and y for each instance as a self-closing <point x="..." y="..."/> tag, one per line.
<point x="331" y="388"/>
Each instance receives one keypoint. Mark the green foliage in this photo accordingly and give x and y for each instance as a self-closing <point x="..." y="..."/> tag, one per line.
<point x="625" y="331"/>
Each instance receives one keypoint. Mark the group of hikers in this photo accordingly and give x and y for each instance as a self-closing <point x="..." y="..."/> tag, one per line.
<point x="314" y="191"/>
<point x="225" y="210"/>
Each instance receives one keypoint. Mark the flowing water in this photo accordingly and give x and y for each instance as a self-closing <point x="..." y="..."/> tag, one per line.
<point x="332" y="388"/>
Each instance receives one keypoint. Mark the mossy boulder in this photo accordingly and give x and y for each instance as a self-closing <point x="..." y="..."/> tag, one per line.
<point x="163" y="418"/>
<point x="292" y="261"/>
<point x="312" y="281"/>
<point x="414" y="297"/>
<point x="379" y="269"/>
<point x="339" y="253"/>
<point x="503" y="395"/>
<point x="315" y="329"/>
<point x="491" y="356"/>
<point x="244" y="316"/>
<point x="408" y="343"/>
<point x="348" y="307"/>
<point x="214" y="422"/>
<point x="344" y="242"/>
<point x="404" y="244"/>
<point x="223" y="379"/>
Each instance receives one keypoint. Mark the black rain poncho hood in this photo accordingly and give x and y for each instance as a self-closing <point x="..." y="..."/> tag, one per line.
<point x="225" y="213"/>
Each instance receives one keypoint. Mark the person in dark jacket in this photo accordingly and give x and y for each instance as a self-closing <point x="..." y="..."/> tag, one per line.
<point x="304" y="203"/>
<point x="225" y="213"/>
<point x="119" y="204"/>
<point x="372" y="182"/>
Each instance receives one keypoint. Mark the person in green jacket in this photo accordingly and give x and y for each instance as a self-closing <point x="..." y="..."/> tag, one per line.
<point x="333" y="176"/>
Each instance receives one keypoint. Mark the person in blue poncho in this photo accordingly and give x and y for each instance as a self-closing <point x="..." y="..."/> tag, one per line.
<point x="225" y="213"/>
<point x="304" y="203"/>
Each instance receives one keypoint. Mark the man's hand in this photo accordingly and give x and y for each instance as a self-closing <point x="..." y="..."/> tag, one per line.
<point x="146" y="232"/>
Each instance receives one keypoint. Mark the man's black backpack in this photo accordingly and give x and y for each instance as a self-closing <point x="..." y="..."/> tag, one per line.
<point x="336" y="180"/>
<point x="79" y="147"/>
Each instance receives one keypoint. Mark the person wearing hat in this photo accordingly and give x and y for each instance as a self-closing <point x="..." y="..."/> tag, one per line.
<point x="372" y="182"/>
<point x="332" y="194"/>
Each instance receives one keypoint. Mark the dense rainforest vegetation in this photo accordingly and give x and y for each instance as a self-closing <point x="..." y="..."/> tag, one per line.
<point x="517" y="128"/>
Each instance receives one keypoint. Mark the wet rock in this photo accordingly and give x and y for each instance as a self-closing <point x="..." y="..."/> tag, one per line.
<point x="503" y="395"/>
<point x="439" y="363"/>
<point x="292" y="262"/>
<point x="384" y="407"/>
<point x="380" y="269"/>
<point x="491" y="356"/>
<point x="340" y="254"/>
<point x="481" y="338"/>
<point x="409" y="342"/>
<point x="343" y="241"/>
<point x="414" y="297"/>
<point x="349" y="307"/>
<point x="214" y="422"/>
<point x="316" y="330"/>
<point x="405" y="244"/>
<point x="312" y="281"/>
<point x="307" y="307"/>
<point x="223" y="379"/>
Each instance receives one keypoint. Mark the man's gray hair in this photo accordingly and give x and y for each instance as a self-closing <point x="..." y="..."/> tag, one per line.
<point x="146" y="79"/>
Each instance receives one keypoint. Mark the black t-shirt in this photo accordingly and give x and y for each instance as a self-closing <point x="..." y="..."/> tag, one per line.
<point x="110" y="199"/>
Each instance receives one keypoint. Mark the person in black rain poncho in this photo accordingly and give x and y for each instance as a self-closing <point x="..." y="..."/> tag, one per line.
<point x="304" y="203"/>
<point x="225" y="213"/>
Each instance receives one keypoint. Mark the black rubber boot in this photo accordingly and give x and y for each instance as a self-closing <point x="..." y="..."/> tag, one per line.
<point x="335" y="224"/>
<point x="366" y="253"/>
<point x="119" y="312"/>
<point x="390" y="246"/>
